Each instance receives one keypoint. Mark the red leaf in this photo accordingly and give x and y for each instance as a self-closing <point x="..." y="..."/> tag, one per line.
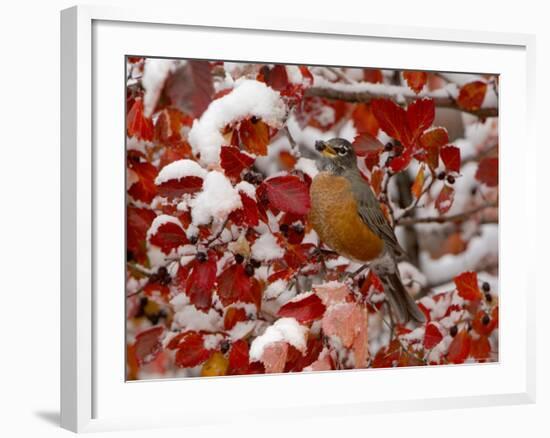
<point x="138" y="222"/>
<point x="480" y="348"/>
<point x="235" y="286"/>
<point x="277" y="77"/>
<point x="364" y="119"/>
<point x="460" y="347"/>
<point x="169" y="124"/>
<point x="137" y="125"/>
<point x="420" y="116"/>
<point x="392" y="119"/>
<point x="471" y="95"/>
<point x="233" y="161"/>
<point x="416" y="80"/>
<point x="432" y="337"/>
<point x="487" y="171"/>
<point x="451" y="158"/>
<point x="176" y="188"/>
<point x="467" y="286"/>
<point x="366" y="143"/>
<point x="445" y="199"/>
<point x="399" y="163"/>
<point x="233" y="315"/>
<point x="298" y="361"/>
<point x="168" y="236"/>
<point x="148" y="345"/>
<point x="274" y="357"/>
<point x="191" y="351"/>
<point x="431" y="141"/>
<point x="373" y="75"/>
<point x="483" y="323"/>
<point x="254" y="135"/>
<point x="143" y="187"/>
<point x="191" y="88"/>
<point x="238" y="358"/>
<point x="200" y="283"/>
<point x="305" y="310"/>
<point x="289" y="194"/>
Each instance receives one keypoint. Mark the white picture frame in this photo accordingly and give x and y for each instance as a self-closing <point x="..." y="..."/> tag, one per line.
<point x="94" y="396"/>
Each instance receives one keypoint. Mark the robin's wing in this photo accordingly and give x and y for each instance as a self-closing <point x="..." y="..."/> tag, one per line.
<point x="370" y="212"/>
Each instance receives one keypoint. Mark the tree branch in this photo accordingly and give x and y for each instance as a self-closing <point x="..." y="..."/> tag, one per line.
<point x="443" y="219"/>
<point x="366" y="96"/>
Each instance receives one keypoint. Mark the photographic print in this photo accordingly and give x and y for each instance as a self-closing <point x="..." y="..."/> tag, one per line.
<point x="300" y="218"/>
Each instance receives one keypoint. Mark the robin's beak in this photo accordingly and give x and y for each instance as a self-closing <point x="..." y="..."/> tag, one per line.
<point x="325" y="149"/>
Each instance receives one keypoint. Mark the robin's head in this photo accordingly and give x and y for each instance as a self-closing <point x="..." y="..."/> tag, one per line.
<point x="337" y="155"/>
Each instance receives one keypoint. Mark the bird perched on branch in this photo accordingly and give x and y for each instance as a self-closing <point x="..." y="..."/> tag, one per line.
<point x="347" y="217"/>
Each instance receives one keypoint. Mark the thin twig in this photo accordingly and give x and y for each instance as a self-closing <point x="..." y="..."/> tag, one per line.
<point x="218" y="234"/>
<point x="414" y="204"/>
<point x="340" y="75"/>
<point x="443" y="219"/>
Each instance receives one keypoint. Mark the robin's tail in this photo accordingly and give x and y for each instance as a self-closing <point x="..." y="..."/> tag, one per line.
<point x="400" y="300"/>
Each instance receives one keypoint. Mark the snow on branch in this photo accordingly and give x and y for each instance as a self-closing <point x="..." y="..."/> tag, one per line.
<point x="365" y="92"/>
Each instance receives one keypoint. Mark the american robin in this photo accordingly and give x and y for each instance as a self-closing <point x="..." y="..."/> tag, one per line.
<point x="347" y="217"/>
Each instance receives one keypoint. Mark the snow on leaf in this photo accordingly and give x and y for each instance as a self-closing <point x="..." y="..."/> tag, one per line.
<point x="137" y="125"/>
<point x="342" y="320"/>
<point x="471" y="95"/>
<point x="432" y="336"/>
<point x="274" y="357"/>
<point x="444" y="200"/>
<point x="248" y="98"/>
<point x="416" y="80"/>
<point x="233" y="315"/>
<point x="323" y="363"/>
<point x="277" y="77"/>
<point x="487" y="171"/>
<point x="200" y="283"/>
<point x="467" y="286"/>
<point x="288" y="193"/>
<point x="167" y="233"/>
<point x="148" y="345"/>
<point x="333" y="293"/>
<point x="233" y="161"/>
<point x="304" y="310"/>
<point x="459" y="349"/>
<point x="179" y="178"/>
<point x="420" y="116"/>
<point x="451" y="158"/>
<point x="284" y="329"/>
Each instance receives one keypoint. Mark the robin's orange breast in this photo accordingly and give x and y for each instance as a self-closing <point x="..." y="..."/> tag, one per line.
<point x="334" y="217"/>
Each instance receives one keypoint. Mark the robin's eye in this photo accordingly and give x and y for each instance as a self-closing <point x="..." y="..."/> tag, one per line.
<point x="341" y="151"/>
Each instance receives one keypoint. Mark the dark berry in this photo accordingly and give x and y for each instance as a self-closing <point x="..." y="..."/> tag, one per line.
<point x="453" y="331"/>
<point x="486" y="287"/>
<point x="488" y="297"/>
<point x="163" y="313"/>
<point x="469" y="327"/>
<point x="450" y="179"/>
<point x="143" y="301"/>
<point x="239" y="259"/>
<point x="249" y="269"/>
<point x="201" y="257"/>
<point x="155" y="278"/>
<point x="388" y="147"/>
<point x="298" y="228"/>
<point x="485" y="320"/>
<point x="129" y="255"/>
<point x="254" y="119"/>
<point x="224" y="346"/>
<point x="255" y="263"/>
<point x="253" y="177"/>
<point x="193" y="239"/>
<point x="283" y="228"/>
<point x="441" y="175"/>
<point x="473" y="190"/>
<point x="162" y="271"/>
<point x="361" y="282"/>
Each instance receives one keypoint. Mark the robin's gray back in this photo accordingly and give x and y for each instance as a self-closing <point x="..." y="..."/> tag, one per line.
<point x="371" y="213"/>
